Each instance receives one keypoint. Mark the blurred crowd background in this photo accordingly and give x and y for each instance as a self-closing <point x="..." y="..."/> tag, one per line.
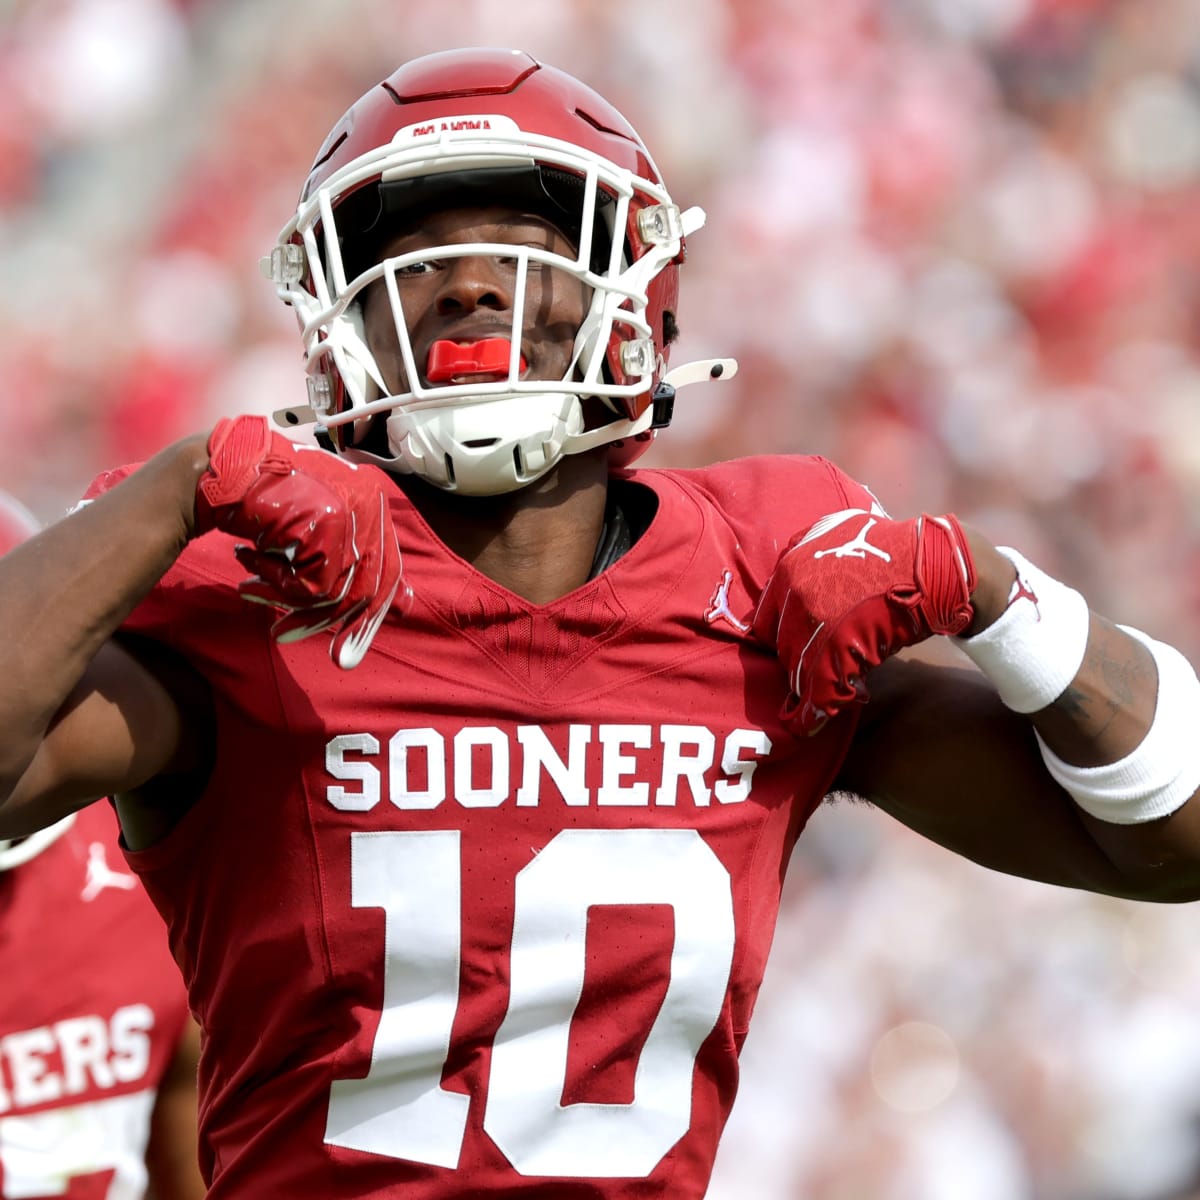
<point x="955" y="245"/>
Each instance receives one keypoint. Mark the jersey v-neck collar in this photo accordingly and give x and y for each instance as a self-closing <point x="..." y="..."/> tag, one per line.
<point x="539" y="646"/>
<point x="440" y="575"/>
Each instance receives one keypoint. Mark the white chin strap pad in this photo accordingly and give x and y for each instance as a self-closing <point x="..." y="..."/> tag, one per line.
<point x="485" y="448"/>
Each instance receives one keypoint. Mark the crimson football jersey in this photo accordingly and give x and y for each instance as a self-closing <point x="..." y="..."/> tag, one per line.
<point x="91" y="1013"/>
<point x="488" y="914"/>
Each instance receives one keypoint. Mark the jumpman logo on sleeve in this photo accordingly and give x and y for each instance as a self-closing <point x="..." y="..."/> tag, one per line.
<point x="718" y="606"/>
<point x="100" y="875"/>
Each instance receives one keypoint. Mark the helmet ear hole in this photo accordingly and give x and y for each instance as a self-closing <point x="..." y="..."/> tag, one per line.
<point x="670" y="327"/>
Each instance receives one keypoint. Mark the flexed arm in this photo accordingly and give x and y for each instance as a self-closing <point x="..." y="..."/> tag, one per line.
<point x="83" y="716"/>
<point x="1114" y="713"/>
<point x="1073" y="765"/>
<point x="65" y="690"/>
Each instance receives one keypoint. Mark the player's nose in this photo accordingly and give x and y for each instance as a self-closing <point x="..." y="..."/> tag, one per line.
<point x="477" y="281"/>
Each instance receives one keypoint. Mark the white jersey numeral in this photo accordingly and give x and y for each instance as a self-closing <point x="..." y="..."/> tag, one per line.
<point x="401" y="1108"/>
<point x="42" y="1153"/>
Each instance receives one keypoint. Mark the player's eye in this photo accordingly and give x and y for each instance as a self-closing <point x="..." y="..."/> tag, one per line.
<point x="413" y="269"/>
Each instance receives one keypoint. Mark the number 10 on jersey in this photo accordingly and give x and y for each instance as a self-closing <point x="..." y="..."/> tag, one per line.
<point x="401" y="1109"/>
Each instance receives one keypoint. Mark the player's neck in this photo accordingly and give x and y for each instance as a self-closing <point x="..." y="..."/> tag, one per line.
<point x="538" y="542"/>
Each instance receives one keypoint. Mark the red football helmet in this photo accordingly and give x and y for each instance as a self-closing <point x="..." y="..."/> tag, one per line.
<point x="486" y="126"/>
<point x="17" y="524"/>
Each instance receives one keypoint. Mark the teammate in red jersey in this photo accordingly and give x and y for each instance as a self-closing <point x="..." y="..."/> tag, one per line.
<point x="97" y="1049"/>
<point x="470" y="831"/>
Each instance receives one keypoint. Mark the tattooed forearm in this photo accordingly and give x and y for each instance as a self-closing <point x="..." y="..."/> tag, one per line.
<point x="1108" y="706"/>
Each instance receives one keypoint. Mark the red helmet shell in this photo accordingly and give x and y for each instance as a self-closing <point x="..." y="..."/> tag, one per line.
<point x="542" y="100"/>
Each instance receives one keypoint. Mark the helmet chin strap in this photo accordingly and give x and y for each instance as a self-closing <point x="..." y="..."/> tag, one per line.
<point x="701" y="370"/>
<point x="482" y="449"/>
<point x="459" y="450"/>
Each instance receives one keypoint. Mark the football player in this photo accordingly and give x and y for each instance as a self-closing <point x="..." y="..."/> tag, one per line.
<point x="98" y="1052"/>
<point x="469" y="831"/>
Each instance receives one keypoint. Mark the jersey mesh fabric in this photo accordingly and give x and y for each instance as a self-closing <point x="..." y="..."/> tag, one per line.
<point x="563" y="829"/>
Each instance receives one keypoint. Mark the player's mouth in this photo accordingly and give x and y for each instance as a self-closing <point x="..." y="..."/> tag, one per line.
<point x="483" y="361"/>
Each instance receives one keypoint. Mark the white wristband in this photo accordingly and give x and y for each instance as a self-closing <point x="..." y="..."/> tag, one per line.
<point x="1035" y="648"/>
<point x="1164" y="771"/>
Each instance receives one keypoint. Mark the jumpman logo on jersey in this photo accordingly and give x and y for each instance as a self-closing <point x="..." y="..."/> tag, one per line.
<point x="100" y="875"/>
<point x="718" y="606"/>
<point x="859" y="547"/>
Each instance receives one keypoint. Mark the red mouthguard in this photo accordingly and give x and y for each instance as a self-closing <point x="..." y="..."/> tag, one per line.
<point x="449" y="360"/>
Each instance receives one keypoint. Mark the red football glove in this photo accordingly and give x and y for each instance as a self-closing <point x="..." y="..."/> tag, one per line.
<point x="324" y="548"/>
<point x="852" y="591"/>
